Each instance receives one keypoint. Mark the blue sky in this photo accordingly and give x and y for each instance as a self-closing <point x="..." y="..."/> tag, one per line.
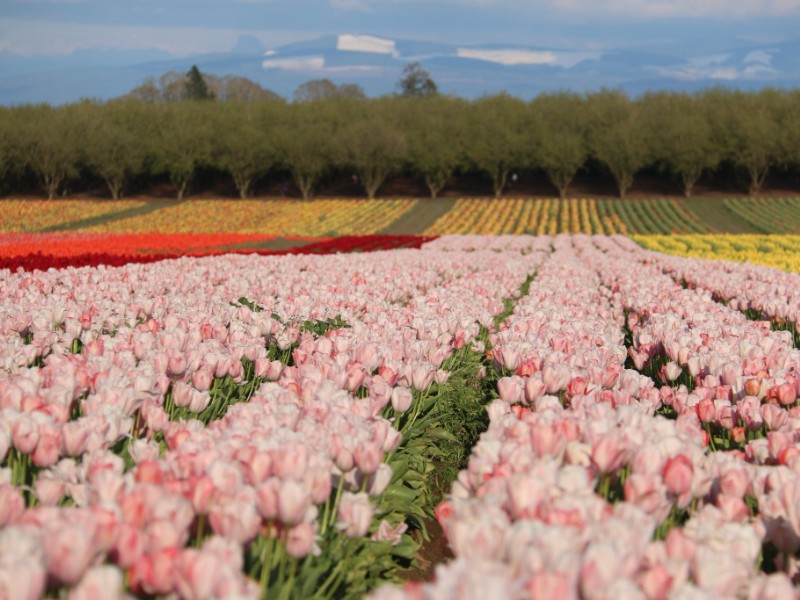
<point x="182" y="27"/>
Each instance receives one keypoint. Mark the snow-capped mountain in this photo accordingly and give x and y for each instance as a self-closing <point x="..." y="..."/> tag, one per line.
<point x="376" y="64"/>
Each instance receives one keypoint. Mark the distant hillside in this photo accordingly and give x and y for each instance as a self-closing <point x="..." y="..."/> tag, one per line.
<point x="375" y="64"/>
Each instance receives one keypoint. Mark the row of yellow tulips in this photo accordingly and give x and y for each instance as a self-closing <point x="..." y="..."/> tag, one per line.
<point x="780" y="251"/>
<point x="23" y="216"/>
<point x="524" y="215"/>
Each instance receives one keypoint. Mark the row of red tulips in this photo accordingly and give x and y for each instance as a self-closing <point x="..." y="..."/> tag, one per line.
<point x="106" y="251"/>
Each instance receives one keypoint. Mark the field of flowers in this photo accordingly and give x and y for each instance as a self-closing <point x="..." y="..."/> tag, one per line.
<point x="36" y="215"/>
<point x="779" y="251"/>
<point x="552" y="216"/>
<point x="286" y="426"/>
<point x="323" y="218"/>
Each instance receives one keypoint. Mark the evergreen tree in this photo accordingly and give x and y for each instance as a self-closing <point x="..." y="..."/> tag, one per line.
<point x="196" y="88"/>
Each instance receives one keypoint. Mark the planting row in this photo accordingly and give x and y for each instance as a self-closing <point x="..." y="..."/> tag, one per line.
<point x="236" y="425"/>
<point x="60" y="250"/>
<point x="552" y="216"/>
<point x="245" y="425"/>
<point x="779" y="251"/>
<point x="643" y="444"/>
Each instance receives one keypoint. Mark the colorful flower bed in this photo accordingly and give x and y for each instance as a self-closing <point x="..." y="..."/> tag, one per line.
<point x="64" y="244"/>
<point x="552" y="216"/>
<point x="35" y="215"/>
<point x="320" y="218"/>
<point x="641" y="447"/>
<point x="779" y="251"/>
<point x="259" y="426"/>
<point x="59" y="250"/>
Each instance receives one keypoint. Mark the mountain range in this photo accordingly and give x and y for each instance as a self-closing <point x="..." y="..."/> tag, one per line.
<point x="376" y="63"/>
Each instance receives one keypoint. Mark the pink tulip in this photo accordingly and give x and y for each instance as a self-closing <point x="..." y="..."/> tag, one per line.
<point x="68" y="551"/>
<point x="402" y="399"/>
<point x="656" y="582"/>
<point x="22" y="579"/>
<point x="235" y="518"/>
<point x="354" y="514"/>
<point x="12" y="504"/>
<point x="678" y="474"/>
<point x="534" y="389"/>
<point x="555" y="378"/>
<point x="25" y="435"/>
<point x="608" y="454"/>
<point x="293" y="502"/>
<point x="155" y="573"/>
<point x="103" y="582"/>
<point x="421" y="377"/>
<point x="367" y="457"/>
<point x="47" y="450"/>
<point x="510" y="389"/>
<point x="267" y="498"/>
<point x="291" y="461"/>
<point x="300" y="540"/>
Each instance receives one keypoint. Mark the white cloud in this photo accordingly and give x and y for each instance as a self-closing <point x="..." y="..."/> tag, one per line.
<point x="365" y="43"/>
<point x="303" y="63"/>
<point x="509" y="57"/>
<point x="690" y="73"/>
<point x="759" y="57"/>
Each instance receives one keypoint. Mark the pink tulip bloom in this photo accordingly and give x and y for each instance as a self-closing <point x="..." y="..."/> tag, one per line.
<point x="293" y="502"/>
<point x="12" y="504"/>
<point x="367" y="457"/>
<point x="510" y="389"/>
<point x="678" y="474"/>
<point x="354" y="514"/>
<point x="267" y="498"/>
<point x="21" y="579"/>
<point x="25" y="435"/>
<point x="103" y="582"/>
<point x="155" y="573"/>
<point x="301" y="540"/>
<point x="421" y="377"/>
<point x="235" y="518"/>
<point x="608" y="454"/>
<point x="47" y="450"/>
<point x="402" y="399"/>
<point x="68" y="552"/>
<point x="291" y="461"/>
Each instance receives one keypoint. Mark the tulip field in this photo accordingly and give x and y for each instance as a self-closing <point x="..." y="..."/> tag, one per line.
<point x="576" y="416"/>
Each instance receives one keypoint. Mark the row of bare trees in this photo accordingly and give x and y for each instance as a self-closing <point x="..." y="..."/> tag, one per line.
<point x="432" y="137"/>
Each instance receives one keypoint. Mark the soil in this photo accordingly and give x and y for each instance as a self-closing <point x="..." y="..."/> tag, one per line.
<point x="433" y="552"/>
<point x="588" y="184"/>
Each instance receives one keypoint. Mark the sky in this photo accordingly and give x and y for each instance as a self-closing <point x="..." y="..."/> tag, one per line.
<point x="185" y="27"/>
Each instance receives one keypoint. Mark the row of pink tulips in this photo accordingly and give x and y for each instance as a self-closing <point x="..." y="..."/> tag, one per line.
<point x="127" y="460"/>
<point x="596" y="481"/>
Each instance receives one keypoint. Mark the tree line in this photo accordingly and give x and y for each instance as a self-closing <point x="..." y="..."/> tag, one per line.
<point x="131" y="141"/>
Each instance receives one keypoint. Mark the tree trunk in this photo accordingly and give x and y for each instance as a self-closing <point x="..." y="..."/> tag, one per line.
<point x="757" y="177"/>
<point x="51" y="185"/>
<point x="499" y="178"/>
<point x="436" y="183"/>
<point x="115" y="187"/>
<point x="688" y="186"/>
<point x="243" y="184"/>
<point x="560" y="181"/>
<point x="624" y="182"/>
<point x="372" y="181"/>
<point x="306" y="185"/>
